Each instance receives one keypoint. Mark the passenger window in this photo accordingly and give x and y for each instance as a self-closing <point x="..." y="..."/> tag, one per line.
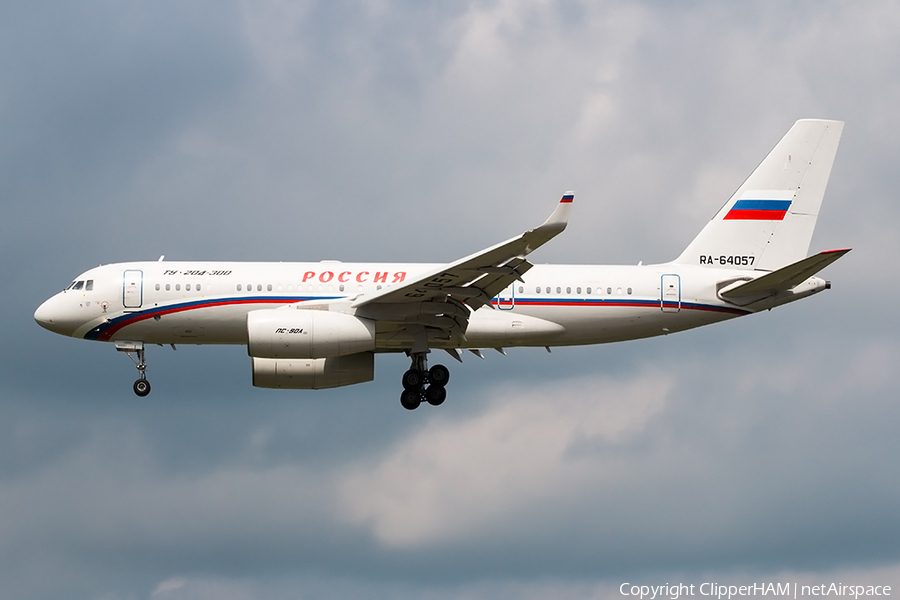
<point x="588" y="291"/>
<point x="521" y="289"/>
<point x="342" y="287"/>
<point x="258" y="287"/>
<point x="177" y="287"/>
<point x="157" y="287"/>
<point x="198" y="287"/>
<point x="168" y="287"/>
<point x="269" y="288"/>
<point x="78" y="285"/>
<point x="558" y="290"/>
<point x="537" y="290"/>
<point x="238" y="287"/>
<point x="89" y="285"/>
<point x="629" y="291"/>
<point x="187" y="287"/>
<point x="568" y="290"/>
<point x="578" y="290"/>
<point x="609" y="291"/>
<point x="548" y="289"/>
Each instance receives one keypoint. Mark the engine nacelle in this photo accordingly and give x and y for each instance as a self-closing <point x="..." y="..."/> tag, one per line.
<point x="313" y="373"/>
<point x="293" y="333"/>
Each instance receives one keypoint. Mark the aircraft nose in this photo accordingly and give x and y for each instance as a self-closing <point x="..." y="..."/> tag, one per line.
<point x="49" y="317"/>
<point x="44" y="315"/>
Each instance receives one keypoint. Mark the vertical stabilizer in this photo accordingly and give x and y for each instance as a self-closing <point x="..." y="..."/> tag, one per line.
<point x="769" y="221"/>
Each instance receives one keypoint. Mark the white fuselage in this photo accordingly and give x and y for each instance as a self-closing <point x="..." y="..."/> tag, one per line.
<point x="319" y="325"/>
<point x="208" y="302"/>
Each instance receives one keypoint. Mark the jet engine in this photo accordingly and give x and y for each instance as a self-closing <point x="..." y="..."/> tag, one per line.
<point x="313" y="373"/>
<point x="303" y="333"/>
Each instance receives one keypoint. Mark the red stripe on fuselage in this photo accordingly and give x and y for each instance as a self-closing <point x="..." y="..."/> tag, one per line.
<point x="105" y="335"/>
<point x="653" y="304"/>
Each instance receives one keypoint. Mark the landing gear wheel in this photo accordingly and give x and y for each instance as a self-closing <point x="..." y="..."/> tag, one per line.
<point x="410" y="399"/>
<point x="413" y="380"/>
<point x="141" y="387"/>
<point x="421" y="384"/>
<point x="439" y="375"/>
<point x="435" y="394"/>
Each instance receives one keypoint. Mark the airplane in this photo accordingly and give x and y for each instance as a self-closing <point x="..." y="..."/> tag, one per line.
<point x="319" y="325"/>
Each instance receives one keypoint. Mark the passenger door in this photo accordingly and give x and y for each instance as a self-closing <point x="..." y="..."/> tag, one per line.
<point x="506" y="299"/>
<point x="670" y="293"/>
<point x="133" y="289"/>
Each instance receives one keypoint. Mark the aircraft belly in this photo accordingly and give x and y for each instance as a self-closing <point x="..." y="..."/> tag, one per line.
<point x="562" y="326"/>
<point x="598" y="324"/>
<point x="486" y="328"/>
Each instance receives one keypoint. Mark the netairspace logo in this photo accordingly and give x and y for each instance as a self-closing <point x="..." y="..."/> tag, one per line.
<point x="727" y="592"/>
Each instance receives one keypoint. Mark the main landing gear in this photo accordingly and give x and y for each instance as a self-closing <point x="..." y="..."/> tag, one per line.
<point x="141" y="386"/>
<point x="421" y="384"/>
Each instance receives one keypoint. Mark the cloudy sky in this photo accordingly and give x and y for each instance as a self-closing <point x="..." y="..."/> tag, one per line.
<point x="760" y="449"/>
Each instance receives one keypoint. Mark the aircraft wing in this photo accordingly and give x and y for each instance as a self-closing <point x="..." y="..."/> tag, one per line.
<point x="469" y="283"/>
<point x="784" y="278"/>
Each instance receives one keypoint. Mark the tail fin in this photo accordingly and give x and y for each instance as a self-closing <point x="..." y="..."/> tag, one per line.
<point x="769" y="221"/>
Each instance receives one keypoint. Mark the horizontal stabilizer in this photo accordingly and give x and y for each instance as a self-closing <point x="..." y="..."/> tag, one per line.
<point x="784" y="278"/>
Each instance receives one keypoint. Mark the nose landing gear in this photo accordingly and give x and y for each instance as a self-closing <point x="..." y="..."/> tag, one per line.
<point x="141" y="386"/>
<point x="421" y="384"/>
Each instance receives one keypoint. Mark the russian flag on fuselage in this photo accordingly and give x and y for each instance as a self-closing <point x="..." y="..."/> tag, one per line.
<point x="765" y="206"/>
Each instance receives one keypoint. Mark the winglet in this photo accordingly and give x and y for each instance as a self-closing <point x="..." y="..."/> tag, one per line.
<point x="558" y="220"/>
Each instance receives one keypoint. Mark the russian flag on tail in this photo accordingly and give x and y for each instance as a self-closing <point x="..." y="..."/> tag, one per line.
<point x="765" y="206"/>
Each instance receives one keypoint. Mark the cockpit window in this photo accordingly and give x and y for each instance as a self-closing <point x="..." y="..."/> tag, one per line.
<point x="89" y="285"/>
<point x="71" y="285"/>
<point x="78" y="285"/>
